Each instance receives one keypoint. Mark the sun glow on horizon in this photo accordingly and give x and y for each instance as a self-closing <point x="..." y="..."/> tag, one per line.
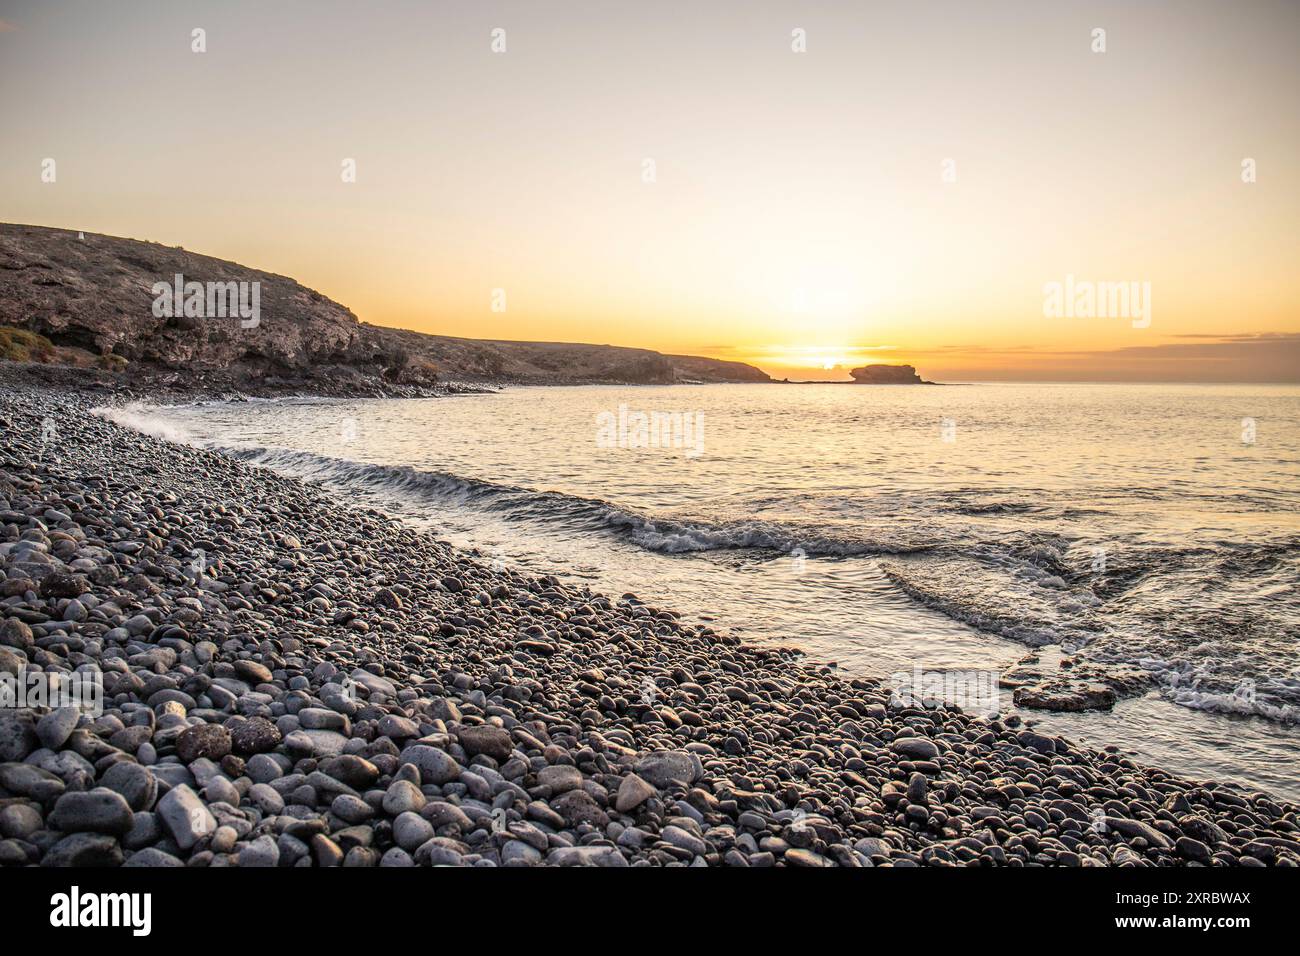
<point x="812" y="200"/>
<point x="806" y="359"/>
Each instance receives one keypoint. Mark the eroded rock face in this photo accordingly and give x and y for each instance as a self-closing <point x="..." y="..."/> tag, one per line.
<point x="97" y="294"/>
<point x="93" y="299"/>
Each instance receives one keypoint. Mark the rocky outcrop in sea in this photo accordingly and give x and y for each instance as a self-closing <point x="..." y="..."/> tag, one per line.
<point x="887" y="375"/>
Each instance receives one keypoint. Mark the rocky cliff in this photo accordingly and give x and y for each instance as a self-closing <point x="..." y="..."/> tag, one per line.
<point x="93" y="301"/>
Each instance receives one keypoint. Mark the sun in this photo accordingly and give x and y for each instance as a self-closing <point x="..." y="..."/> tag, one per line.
<point x="827" y="358"/>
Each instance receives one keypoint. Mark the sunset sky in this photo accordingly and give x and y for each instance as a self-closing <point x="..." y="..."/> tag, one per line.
<point x="799" y="216"/>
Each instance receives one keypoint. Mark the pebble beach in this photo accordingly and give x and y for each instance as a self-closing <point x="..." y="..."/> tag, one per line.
<point x="289" y="680"/>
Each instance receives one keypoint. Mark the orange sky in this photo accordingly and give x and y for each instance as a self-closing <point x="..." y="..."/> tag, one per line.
<point x="799" y="215"/>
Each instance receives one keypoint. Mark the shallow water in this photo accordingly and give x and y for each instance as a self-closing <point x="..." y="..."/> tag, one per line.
<point x="883" y="528"/>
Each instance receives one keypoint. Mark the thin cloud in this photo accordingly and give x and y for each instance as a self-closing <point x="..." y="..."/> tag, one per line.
<point x="1259" y="357"/>
<point x="1239" y="336"/>
<point x="7" y="27"/>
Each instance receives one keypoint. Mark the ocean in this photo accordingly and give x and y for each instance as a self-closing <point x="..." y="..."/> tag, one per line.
<point x="1146" y="536"/>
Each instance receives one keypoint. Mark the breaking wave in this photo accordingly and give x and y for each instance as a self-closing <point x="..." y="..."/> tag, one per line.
<point x="575" y="513"/>
<point x="145" y="419"/>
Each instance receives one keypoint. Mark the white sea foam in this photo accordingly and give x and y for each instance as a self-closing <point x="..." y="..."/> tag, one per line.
<point x="147" y="420"/>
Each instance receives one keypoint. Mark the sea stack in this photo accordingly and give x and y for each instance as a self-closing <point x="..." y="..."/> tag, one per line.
<point x="887" y="375"/>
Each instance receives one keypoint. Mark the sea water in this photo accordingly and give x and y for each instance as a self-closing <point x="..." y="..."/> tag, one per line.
<point x="887" y="529"/>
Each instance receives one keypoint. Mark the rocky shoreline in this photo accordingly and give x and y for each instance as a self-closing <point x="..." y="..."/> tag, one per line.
<point x="289" y="681"/>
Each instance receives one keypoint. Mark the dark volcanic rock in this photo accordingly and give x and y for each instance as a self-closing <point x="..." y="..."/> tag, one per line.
<point x="84" y="849"/>
<point x="256" y="735"/>
<point x="205" y="740"/>
<point x="664" y="768"/>
<point x="486" y="739"/>
<point x="17" y="735"/>
<point x="95" y="811"/>
<point x="60" y="585"/>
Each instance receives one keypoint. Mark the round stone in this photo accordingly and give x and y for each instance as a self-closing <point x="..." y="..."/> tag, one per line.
<point x="204" y="740"/>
